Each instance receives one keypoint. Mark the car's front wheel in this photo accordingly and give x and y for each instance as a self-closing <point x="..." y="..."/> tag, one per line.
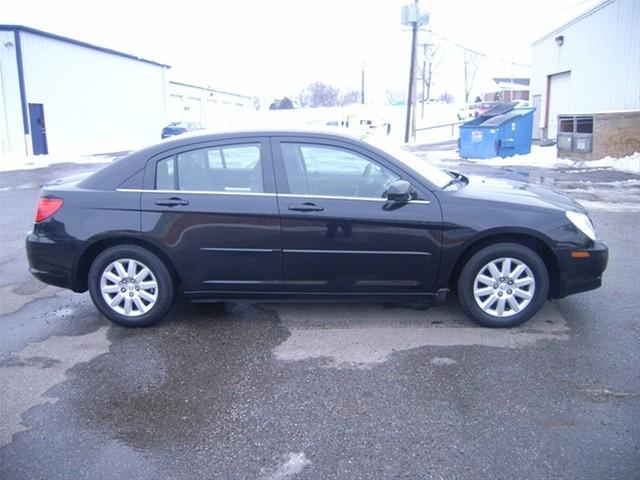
<point x="503" y="285"/>
<point x="131" y="286"/>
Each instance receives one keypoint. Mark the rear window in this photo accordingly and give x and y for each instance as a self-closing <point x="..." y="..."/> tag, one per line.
<point x="233" y="168"/>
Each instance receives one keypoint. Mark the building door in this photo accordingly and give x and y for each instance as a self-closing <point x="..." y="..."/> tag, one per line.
<point x="38" y="131"/>
<point x="211" y="112"/>
<point x="536" y="102"/>
<point x="558" y="98"/>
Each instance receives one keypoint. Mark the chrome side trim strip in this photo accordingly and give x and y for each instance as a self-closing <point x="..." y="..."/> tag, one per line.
<point x="359" y="252"/>
<point x="196" y="192"/>
<point x="262" y="194"/>
<point x="333" y="197"/>
<point x="361" y="199"/>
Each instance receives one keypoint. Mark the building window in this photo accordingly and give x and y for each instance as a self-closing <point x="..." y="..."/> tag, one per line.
<point x="575" y="133"/>
<point x="584" y="124"/>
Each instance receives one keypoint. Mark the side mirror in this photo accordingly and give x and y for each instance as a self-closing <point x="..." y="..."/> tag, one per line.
<point x="399" y="191"/>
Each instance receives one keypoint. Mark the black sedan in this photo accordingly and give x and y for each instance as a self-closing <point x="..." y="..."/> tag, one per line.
<point x="288" y="215"/>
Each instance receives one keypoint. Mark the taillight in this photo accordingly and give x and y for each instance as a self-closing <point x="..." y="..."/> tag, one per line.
<point x="47" y="207"/>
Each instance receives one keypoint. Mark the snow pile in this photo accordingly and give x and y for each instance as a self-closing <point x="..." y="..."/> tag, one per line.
<point x="629" y="164"/>
<point x="540" y="157"/>
<point x="12" y="162"/>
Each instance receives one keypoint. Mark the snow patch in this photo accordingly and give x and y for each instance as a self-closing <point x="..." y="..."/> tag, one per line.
<point x="629" y="164"/>
<point x="293" y="464"/>
<point x="14" y="162"/>
<point x="609" y="206"/>
<point x="442" y="361"/>
<point x="540" y="157"/>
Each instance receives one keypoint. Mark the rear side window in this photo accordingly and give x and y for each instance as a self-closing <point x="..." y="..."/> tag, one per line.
<point x="233" y="168"/>
<point x="165" y="174"/>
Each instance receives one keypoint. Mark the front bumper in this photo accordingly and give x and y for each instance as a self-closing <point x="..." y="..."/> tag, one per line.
<point x="580" y="274"/>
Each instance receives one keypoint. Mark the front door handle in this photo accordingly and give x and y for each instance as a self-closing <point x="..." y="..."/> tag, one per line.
<point x="171" y="202"/>
<point x="306" y="207"/>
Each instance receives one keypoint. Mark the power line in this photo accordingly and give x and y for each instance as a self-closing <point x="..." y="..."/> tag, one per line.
<point x="476" y="52"/>
<point x="574" y="5"/>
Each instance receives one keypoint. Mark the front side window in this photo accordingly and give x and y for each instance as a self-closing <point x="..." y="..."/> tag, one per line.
<point x="234" y="168"/>
<point x="330" y="171"/>
<point x="421" y="166"/>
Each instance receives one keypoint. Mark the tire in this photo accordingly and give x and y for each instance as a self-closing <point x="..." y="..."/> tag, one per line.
<point x="482" y="289"/>
<point x="110" y="283"/>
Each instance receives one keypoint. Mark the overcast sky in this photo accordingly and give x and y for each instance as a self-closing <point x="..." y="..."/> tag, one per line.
<point x="274" y="48"/>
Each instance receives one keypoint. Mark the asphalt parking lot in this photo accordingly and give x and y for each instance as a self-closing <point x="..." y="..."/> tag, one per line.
<point x="242" y="391"/>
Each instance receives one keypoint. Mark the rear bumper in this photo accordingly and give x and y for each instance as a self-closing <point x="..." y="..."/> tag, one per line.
<point x="580" y="274"/>
<point x="51" y="261"/>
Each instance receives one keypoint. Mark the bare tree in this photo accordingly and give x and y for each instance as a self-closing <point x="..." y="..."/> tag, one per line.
<point x="446" y="97"/>
<point x="433" y="57"/>
<point x="319" y="94"/>
<point x="283" y="103"/>
<point x="349" y="97"/>
<point x="471" y="64"/>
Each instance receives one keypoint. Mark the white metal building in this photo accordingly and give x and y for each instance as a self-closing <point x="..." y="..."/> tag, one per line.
<point x="213" y="109"/>
<point x="590" y="65"/>
<point x="63" y="95"/>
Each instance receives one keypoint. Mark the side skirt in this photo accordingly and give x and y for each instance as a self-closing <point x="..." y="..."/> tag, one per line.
<point x="437" y="298"/>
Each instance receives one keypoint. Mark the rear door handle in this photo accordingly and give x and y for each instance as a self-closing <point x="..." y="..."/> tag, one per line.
<point x="306" y="207"/>
<point x="171" y="202"/>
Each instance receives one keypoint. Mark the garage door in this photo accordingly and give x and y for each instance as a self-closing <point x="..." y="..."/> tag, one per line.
<point x="175" y="108"/>
<point x="211" y="114"/>
<point x="559" y="92"/>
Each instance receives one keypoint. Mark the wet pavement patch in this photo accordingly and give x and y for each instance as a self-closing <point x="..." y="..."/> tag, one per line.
<point x="41" y="365"/>
<point x="345" y="336"/>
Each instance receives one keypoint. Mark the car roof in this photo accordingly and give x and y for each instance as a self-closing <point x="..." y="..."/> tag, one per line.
<point x="113" y="175"/>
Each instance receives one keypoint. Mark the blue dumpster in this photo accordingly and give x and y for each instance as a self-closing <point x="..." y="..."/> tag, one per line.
<point x="502" y="131"/>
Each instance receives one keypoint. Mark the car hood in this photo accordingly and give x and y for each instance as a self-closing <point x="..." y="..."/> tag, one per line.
<point x="487" y="189"/>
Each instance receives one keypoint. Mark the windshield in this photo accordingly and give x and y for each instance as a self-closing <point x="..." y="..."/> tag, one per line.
<point x="433" y="174"/>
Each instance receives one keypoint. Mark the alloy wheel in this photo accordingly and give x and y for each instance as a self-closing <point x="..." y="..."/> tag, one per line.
<point x="129" y="287"/>
<point x="504" y="287"/>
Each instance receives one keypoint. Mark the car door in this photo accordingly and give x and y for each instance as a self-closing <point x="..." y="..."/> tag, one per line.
<point x="339" y="233"/>
<point x="212" y="208"/>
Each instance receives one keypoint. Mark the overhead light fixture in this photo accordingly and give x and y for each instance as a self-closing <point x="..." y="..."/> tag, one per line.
<point x="560" y="40"/>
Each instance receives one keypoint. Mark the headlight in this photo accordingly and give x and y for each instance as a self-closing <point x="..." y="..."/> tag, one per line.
<point x="582" y="223"/>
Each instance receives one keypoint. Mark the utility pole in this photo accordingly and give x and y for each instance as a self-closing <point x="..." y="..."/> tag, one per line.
<point x="424" y="76"/>
<point x="362" y="81"/>
<point x="414" y="21"/>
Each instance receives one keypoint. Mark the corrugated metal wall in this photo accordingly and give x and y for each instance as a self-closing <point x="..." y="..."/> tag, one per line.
<point x="602" y="52"/>
<point x="93" y="101"/>
<point x="11" y="126"/>
<point x="211" y="108"/>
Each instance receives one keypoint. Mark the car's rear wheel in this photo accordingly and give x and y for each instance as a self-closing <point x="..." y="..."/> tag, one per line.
<point x="503" y="285"/>
<point x="131" y="286"/>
